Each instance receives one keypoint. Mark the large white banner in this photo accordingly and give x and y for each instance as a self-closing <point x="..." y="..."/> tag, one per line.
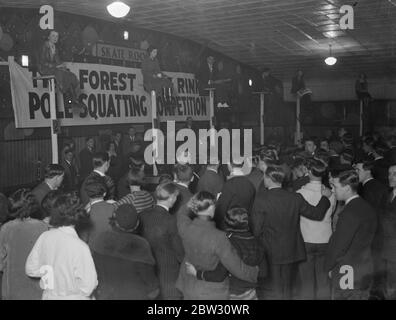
<point x="110" y="94"/>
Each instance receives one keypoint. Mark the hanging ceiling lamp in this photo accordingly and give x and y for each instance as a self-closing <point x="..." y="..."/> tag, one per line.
<point x="330" y="60"/>
<point x="118" y="9"/>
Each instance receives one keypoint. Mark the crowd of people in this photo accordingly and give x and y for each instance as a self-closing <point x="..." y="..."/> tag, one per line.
<point x="316" y="221"/>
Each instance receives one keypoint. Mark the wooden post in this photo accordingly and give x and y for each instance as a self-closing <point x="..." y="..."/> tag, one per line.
<point x="262" y="112"/>
<point x="298" y="123"/>
<point x="54" y="134"/>
<point x="154" y="129"/>
<point x="211" y="114"/>
<point x="361" y="118"/>
<point x="262" y="124"/>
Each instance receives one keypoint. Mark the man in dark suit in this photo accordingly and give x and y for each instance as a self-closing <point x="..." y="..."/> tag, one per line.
<point x="85" y="158"/>
<point x="99" y="210"/>
<point x="210" y="180"/>
<point x="237" y="192"/>
<point x="381" y="165"/>
<point x="70" y="182"/>
<point x="376" y="194"/>
<point x="183" y="175"/>
<point x="389" y="228"/>
<point x="206" y="75"/>
<point x="377" y="152"/>
<point x="101" y="163"/>
<point x="129" y="141"/>
<point x="349" y="259"/>
<point x="390" y="156"/>
<point x="159" y="228"/>
<point x="118" y="143"/>
<point x="53" y="177"/>
<point x="275" y="221"/>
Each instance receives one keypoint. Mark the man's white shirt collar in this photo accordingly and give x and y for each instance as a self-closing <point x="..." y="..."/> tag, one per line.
<point x="99" y="173"/>
<point x="236" y="173"/>
<point x="91" y="203"/>
<point x="49" y="186"/>
<point x="182" y="184"/>
<point x="393" y="194"/>
<point x="367" y="180"/>
<point x="163" y="206"/>
<point x="351" y="198"/>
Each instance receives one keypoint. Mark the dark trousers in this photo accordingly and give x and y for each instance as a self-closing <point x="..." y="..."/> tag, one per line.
<point x="379" y="265"/>
<point x="279" y="284"/>
<point x="390" y="279"/>
<point x="360" y="290"/>
<point x="313" y="279"/>
<point x="339" y="294"/>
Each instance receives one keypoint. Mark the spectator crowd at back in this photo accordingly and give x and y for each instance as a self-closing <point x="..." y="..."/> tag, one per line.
<point x="301" y="224"/>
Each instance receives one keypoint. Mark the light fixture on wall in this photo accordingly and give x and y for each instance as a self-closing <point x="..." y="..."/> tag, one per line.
<point x="25" y="60"/>
<point x="118" y="9"/>
<point x="250" y="82"/>
<point x="126" y="35"/>
<point x="330" y="60"/>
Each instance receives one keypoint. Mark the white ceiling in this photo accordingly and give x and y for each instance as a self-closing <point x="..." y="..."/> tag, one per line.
<point x="281" y="34"/>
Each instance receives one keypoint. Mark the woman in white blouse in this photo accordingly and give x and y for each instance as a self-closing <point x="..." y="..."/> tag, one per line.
<point x="60" y="258"/>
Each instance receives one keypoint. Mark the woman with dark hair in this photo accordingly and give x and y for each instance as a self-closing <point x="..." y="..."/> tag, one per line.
<point x="16" y="240"/>
<point x="205" y="247"/>
<point x="153" y="77"/>
<point x="69" y="271"/>
<point x="50" y="64"/>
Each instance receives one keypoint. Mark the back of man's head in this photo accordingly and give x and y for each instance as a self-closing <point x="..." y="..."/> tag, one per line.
<point x="135" y="177"/>
<point x="95" y="187"/>
<point x="380" y="148"/>
<point x="164" y="191"/>
<point x="183" y="173"/>
<point x="275" y="173"/>
<point x="316" y="168"/>
<point x="350" y="178"/>
<point x="391" y="141"/>
<point x="99" y="159"/>
<point x="52" y="170"/>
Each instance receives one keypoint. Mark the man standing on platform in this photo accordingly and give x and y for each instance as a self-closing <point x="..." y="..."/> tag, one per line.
<point x="206" y="75"/>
